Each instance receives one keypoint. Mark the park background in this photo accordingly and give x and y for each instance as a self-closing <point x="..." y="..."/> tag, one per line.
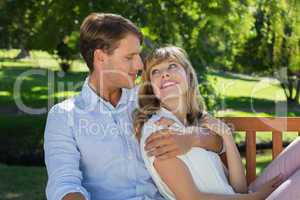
<point x="246" y="53"/>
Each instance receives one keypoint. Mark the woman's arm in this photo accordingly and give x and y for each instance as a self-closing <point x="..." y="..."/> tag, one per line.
<point x="207" y="140"/>
<point x="178" y="178"/>
<point x="236" y="169"/>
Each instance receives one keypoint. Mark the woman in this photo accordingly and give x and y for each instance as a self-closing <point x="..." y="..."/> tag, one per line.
<point x="169" y="90"/>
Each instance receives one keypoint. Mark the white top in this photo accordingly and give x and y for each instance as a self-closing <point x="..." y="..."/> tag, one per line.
<point x="205" y="166"/>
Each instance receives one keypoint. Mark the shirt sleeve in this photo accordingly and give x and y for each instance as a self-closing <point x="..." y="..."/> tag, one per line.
<point x="62" y="157"/>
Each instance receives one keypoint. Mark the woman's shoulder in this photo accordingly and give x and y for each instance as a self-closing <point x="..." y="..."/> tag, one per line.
<point x="150" y="126"/>
<point x="151" y="123"/>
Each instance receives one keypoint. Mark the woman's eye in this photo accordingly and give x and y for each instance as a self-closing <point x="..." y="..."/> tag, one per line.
<point x="155" y="71"/>
<point x="172" y="66"/>
<point x="129" y="58"/>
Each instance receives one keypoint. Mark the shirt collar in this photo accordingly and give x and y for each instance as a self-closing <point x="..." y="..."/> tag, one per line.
<point x="91" y="99"/>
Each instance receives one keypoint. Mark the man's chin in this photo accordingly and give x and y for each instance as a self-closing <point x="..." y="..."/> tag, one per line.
<point x="129" y="86"/>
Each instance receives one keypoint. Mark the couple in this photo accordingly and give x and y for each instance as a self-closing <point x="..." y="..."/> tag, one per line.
<point x="99" y="146"/>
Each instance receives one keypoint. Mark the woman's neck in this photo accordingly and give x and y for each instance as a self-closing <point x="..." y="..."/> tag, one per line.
<point x="178" y="107"/>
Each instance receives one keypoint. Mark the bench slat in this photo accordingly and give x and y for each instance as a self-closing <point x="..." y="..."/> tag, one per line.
<point x="277" y="143"/>
<point x="251" y="125"/>
<point x="250" y="156"/>
<point x="263" y="123"/>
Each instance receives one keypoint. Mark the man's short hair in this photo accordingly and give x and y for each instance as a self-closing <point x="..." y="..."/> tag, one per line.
<point x="104" y="31"/>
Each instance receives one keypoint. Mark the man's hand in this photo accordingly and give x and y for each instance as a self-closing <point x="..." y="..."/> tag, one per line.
<point x="74" y="196"/>
<point x="166" y="144"/>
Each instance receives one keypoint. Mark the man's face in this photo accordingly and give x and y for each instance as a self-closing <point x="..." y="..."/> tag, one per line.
<point x="121" y="67"/>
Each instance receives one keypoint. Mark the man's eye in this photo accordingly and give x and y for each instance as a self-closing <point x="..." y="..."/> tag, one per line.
<point x="129" y="58"/>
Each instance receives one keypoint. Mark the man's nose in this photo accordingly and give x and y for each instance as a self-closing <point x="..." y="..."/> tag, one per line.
<point x="139" y="65"/>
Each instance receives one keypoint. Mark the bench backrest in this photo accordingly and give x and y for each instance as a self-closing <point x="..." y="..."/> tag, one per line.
<point x="250" y="125"/>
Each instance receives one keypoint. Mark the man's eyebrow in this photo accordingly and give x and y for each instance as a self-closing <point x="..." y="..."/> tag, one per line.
<point x="134" y="53"/>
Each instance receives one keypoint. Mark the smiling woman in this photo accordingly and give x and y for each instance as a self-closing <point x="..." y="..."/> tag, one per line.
<point x="171" y="87"/>
<point x="168" y="78"/>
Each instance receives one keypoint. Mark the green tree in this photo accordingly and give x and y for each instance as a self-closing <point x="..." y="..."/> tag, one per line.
<point x="275" y="47"/>
<point x="213" y="32"/>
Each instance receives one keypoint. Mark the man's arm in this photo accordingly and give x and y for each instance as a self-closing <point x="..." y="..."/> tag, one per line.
<point x="62" y="157"/>
<point x="165" y="143"/>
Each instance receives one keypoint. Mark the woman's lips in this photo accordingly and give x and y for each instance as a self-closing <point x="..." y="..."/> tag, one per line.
<point x="167" y="84"/>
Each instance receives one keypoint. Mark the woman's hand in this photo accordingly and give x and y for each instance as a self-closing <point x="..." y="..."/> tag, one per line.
<point x="266" y="189"/>
<point x="217" y="126"/>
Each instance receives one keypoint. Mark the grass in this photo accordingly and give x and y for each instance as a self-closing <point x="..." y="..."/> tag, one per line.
<point x="38" y="60"/>
<point x="241" y="96"/>
<point x="20" y="183"/>
<point x="244" y="95"/>
<point x="261" y="161"/>
<point x="38" y="87"/>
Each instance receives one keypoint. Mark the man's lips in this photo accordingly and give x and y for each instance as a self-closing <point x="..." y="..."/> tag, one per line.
<point x="166" y="84"/>
<point x="132" y="75"/>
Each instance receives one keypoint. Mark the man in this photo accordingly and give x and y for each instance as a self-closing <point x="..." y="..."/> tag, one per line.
<point x="90" y="148"/>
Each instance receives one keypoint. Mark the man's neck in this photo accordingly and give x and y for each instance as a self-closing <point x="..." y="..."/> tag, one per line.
<point x="112" y="95"/>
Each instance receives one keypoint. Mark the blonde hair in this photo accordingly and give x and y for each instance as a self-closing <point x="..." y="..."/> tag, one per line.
<point x="149" y="104"/>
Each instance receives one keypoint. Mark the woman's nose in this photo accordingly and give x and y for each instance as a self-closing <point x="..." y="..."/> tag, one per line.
<point x="165" y="74"/>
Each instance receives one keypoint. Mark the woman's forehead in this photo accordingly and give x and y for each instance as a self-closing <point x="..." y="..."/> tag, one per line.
<point x="164" y="63"/>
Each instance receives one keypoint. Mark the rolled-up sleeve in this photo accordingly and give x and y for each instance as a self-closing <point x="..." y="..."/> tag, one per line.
<point x="62" y="156"/>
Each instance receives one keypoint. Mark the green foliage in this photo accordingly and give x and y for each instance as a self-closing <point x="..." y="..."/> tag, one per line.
<point x="20" y="182"/>
<point x="22" y="139"/>
<point x="243" y="36"/>
<point x="275" y="48"/>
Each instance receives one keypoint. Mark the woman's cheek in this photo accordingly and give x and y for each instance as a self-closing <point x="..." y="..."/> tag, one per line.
<point x="183" y="83"/>
<point x="156" y="89"/>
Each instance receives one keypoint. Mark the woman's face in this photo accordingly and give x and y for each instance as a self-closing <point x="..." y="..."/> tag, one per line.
<point x="168" y="80"/>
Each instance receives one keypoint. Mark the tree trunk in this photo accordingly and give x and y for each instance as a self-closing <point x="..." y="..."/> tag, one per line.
<point x="289" y="88"/>
<point x="24" y="53"/>
<point x="297" y="90"/>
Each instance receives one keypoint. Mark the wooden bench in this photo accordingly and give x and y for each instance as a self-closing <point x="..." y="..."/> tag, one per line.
<point x="250" y="125"/>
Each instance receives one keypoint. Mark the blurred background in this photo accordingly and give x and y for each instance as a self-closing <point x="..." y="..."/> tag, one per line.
<point x="246" y="53"/>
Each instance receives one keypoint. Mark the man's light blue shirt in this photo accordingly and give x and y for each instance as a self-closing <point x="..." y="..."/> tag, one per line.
<point x="90" y="148"/>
